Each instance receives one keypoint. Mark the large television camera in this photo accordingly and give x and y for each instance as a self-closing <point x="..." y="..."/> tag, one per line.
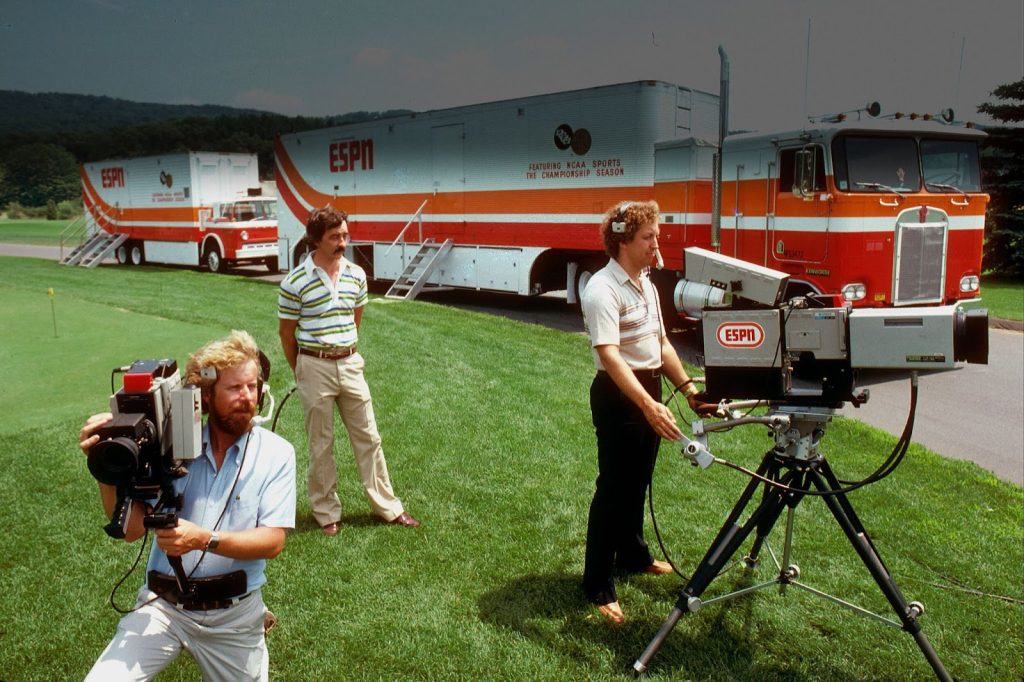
<point x="800" y="356"/>
<point x="155" y="431"/>
<point x="805" y="351"/>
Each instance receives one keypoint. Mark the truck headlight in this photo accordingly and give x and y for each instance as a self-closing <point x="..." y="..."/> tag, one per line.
<point x="854" y="292"/>
<point x="970" y="283"/>
<point x="244" y="235"/>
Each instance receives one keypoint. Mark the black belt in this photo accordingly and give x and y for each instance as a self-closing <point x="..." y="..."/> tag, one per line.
<point x="206" y="594"/>
<point x="639" y="373"/>
<point x="328" y="354"/>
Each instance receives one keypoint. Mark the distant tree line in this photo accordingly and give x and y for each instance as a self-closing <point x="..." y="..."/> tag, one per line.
<point x="39" y="170"/>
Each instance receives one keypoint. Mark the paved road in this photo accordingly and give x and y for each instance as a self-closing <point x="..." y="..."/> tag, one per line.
<point x="975" y="413"/>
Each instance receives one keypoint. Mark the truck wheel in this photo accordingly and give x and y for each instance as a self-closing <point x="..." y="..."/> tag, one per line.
<point x="121" y="254"/>
<point x="136" y="254"/>
<point x="271" y="264"/>
<point x="212" y="259"/>
<point x="583" y="274"/>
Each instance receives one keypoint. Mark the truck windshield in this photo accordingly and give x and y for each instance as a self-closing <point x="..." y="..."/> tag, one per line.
<point x="241" y="211"/>
<point x="950" y="165"/>
<point x="876" y="164"/>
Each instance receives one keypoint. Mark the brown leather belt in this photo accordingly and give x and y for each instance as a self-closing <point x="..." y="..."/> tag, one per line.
<point x="207" y="594"/>
<point x="328" y="354"/>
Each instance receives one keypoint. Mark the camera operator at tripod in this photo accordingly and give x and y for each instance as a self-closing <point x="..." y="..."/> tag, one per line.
<point x="231" y="511"/>
<point x="631" y="352"/>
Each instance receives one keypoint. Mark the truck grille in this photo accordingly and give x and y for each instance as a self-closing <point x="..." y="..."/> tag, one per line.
<point x="920" y="268"/>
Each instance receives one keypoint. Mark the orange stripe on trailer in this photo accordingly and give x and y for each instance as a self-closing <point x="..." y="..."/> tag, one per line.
<point x="687" y="196"/>
<point x="587" y="200"/>
<point x="311" y="196"/>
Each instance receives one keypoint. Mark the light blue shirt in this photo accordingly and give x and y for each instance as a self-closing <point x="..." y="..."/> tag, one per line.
<point x="263" y="497"/>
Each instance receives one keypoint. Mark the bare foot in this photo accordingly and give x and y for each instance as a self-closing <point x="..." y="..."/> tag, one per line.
<point x="659" y="567"/>
<point x="612" y="612"/>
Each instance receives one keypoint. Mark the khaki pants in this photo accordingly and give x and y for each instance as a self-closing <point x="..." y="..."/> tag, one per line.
<point x="324" y="384"/>
<point x="227" y="644"/>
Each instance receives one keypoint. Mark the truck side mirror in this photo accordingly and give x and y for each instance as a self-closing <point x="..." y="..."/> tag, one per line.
<point x="803" y="174"/>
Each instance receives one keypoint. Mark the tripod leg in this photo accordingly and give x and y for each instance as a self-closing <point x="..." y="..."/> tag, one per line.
<point x="725" y="544"/>
<point x="824" y="479"/>
<point x="731" y="535"/>
<point x="794" y="479"/>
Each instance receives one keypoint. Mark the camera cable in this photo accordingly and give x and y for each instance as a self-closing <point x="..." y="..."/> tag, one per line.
<point x="672" y="398"/>
<point x="273" y="424"/>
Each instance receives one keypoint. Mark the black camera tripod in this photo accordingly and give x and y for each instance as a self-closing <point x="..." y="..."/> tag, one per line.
<point x="795" y="464"/>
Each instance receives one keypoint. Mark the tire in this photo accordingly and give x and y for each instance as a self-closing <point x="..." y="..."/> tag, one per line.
<point x="121" y="254"/>
<point x="212" y="259"/>
<point x="583" y="274"/>
<point x="136" y="255"/>
<point x="272" y="264"/>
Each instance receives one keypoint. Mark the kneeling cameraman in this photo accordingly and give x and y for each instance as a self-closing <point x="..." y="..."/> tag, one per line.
<point x="238" y="502"/>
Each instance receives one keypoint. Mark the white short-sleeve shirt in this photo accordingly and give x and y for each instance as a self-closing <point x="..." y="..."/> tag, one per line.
<point x="618" y="313"/>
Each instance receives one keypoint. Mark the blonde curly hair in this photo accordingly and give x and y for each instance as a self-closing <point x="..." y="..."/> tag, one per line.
<point x="237" y="348"/>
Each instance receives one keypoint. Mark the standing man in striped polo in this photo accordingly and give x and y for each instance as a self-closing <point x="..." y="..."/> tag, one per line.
<point x="631" y="352"/>
<point x="320" y="306"/>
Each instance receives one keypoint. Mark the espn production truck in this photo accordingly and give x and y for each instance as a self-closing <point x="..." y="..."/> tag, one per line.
<point x="507" y="196"/>
<point x="191" y="208"/>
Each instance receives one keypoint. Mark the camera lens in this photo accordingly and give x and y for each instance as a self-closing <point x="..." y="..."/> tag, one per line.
<point x="114" y="461"/>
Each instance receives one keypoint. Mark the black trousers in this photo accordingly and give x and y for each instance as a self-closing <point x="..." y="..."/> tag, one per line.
<point x="627" y="448"/>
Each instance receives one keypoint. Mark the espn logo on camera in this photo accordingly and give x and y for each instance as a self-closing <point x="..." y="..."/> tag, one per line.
<point x="740" y="334"/>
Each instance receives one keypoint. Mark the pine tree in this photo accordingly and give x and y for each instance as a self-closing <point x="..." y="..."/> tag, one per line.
<point x="1003" y="174"/>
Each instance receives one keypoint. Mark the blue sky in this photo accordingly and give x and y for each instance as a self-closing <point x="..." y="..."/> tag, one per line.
<point x="320" y="57"/>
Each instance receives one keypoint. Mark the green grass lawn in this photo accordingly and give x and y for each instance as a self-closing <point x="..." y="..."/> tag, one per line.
<point x="487" y="432"/>
<point x="1003" y="298"/>
<point x="38" y="232"/>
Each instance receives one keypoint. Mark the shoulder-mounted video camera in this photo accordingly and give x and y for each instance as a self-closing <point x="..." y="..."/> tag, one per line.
<point x="155" y="431"/>
<point x="804" y="351"/>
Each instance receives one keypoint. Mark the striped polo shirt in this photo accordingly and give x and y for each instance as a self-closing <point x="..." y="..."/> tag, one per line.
<point x="326" y="312"/>
<point x="618" y="313"/>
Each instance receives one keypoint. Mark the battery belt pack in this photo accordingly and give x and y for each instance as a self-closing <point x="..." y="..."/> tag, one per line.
<point x="210" y="589"/>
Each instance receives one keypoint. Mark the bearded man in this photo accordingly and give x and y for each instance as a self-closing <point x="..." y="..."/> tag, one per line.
<point x="238" y="504"/>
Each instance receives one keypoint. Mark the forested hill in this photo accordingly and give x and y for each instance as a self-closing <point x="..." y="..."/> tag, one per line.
<point x="50" y="112"/>
<point x="44" y="137"/>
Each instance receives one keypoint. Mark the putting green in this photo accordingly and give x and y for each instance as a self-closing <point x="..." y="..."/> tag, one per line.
<point x="46" y="377"/>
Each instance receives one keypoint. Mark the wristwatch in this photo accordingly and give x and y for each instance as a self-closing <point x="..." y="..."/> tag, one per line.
<point x="214" y="541"/>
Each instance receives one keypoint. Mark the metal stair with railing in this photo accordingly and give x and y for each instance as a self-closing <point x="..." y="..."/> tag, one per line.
<point x="92" y="251"/>
<point x="414" y="278"/>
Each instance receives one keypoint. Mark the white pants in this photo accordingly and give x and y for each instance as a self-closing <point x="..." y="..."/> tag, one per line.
<point x="227" y="644"/>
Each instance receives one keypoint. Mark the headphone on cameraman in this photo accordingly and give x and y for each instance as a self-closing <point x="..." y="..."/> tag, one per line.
<point x="618" y="225"/>
<point x="208" y="377"/>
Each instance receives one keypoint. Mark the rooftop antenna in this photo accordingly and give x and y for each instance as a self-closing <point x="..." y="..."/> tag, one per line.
<point x="807" y="65"/>
<point x="960" y="73"/>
